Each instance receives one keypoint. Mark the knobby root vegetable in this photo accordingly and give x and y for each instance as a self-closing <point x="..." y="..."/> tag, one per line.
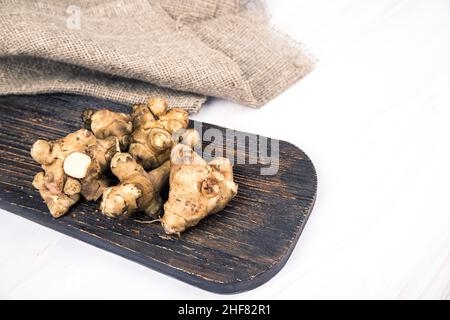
<point x="105" y="123"/>
<point x="75" y="166"/>
<point x="72" y="165"/>
<point x="197" y="189"/>
<point x="51" y="155"/>
<point x="138" y="190"/>
<point x="59" y="203"/>
<point x="156" y="130"/>
<point x="95" y="182"/>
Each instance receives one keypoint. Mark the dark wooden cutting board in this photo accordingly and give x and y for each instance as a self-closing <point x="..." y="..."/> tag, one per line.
<point x="235" y="250"/>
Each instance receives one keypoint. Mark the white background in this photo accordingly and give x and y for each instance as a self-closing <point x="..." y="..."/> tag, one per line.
<point x="374" y="116"/>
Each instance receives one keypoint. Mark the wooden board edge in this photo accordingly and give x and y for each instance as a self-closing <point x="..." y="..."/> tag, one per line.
<point x="205" y="284"/>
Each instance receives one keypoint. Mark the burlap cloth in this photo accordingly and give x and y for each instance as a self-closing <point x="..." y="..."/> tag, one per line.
<point x="127" y="51"/>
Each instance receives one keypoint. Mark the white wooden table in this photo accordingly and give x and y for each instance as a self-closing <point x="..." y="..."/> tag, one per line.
<point x="374" y="117"/>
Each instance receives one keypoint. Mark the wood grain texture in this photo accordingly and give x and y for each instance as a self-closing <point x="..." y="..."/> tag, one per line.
<point x="235" y="250"/>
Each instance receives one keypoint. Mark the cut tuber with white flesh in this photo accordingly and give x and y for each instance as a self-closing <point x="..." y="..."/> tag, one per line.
<point x="197" y="189"/>
<point x="72" y="165"/>
<point x="76" y="165"/>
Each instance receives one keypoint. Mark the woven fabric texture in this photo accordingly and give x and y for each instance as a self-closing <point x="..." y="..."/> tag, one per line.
<point x="127" y="51"/>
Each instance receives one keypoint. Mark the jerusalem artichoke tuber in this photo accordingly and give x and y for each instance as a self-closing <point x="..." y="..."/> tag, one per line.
<point x="156" y="130"/>
<point x="59" y="203"/>
<point x="138" y="190"/>
<point x="75" y="166"/>
<point x="105" y="123"/>
<point x="72" y="165"/>
<point x="197" y="189"/>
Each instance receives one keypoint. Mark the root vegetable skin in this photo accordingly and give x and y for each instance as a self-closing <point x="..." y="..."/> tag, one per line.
<point x="197" y="189"/>
<point x="72" y="165"/>
<point x="138" y="190"/>
<point x="154" y="130"/>
<point x="105" y="123"/>
<point x="189" y="137"/>
<point x="72" y="186"/>
<point x="58" y="204"/>
<point x="51" y="155"/>
<point x="101" y="153"/>
<point x="75" y="166"/>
